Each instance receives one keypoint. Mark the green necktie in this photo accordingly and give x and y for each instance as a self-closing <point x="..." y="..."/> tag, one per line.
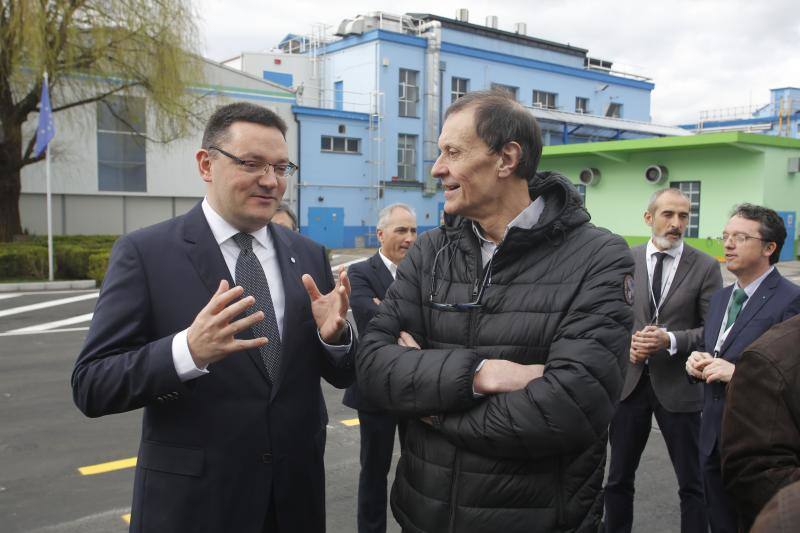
<point x="739" y="297"/>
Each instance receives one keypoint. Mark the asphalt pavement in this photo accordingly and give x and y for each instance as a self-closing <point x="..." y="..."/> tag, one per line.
<point x="63" y="472"/>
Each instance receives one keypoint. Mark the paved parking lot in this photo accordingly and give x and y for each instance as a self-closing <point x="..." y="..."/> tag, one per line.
<point x="46" y="444"/>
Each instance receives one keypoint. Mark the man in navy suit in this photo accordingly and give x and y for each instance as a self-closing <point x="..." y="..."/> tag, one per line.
<point x="737" y="316"/>
<point x="233" y="432"/>
<point x="397" y="231"/>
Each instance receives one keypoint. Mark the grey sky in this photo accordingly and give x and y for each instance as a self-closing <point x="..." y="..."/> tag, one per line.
<point x="701" y="54"/>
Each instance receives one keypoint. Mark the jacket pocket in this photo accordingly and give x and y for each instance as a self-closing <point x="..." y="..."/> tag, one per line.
<point x="171" y="459"/>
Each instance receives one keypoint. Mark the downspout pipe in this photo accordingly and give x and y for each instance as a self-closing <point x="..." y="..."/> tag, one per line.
<point x="433" y="32"/>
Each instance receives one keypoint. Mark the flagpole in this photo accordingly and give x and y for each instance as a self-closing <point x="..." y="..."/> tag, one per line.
<point x="49" y="209"/>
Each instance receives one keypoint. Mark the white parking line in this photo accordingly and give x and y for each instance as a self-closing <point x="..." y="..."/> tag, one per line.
<point x="52" y="325"/>
<point x="45" y="305"/>
<point x="347" y="264"/>
<point x="7" y="296"/>
<point x="62" y="330"/>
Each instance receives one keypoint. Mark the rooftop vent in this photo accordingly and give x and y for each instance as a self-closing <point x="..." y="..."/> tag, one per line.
<point x="491" y="21"/>
<point x="521" y="28"/>
<point x="462" y="14"/>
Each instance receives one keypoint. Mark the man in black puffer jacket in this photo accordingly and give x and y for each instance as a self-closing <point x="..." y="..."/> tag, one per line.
<point x="505" y="337"/>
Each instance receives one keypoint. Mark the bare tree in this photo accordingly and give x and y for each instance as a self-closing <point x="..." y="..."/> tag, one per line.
<point x="91" y="49"/>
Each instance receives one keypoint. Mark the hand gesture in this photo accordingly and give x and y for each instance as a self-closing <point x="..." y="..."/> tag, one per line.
<point x="211" y="335"/>
<point x="718" y="369"/>
<point x="696" y="362"/>
<point x="330" y="309"/>
<point x="649" y="340"/>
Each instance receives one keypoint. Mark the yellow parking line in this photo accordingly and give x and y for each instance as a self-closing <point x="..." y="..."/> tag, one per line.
<point x="102" y="468"/>
<point x="127" y="518"/>
<point x="350" y="422"/>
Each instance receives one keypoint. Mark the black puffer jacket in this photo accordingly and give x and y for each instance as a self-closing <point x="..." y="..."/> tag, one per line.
<point x="530" y="460"/>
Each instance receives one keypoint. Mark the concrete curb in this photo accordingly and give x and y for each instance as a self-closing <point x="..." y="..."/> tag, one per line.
<point x="80" y="284"/>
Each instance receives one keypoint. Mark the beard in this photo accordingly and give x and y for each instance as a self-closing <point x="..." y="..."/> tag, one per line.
<point x="663" y="243"/>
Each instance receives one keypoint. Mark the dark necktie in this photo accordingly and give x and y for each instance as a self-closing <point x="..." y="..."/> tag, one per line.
<point x="737" y="302"/>
<point x="657" y="274"/>
<point x="250" y="276"/>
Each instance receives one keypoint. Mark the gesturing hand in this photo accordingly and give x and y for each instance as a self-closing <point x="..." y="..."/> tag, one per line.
<point x="211" y="335"/>
<point x="718" y="370"/>
<point x="330" y="309"/>
<point x="696" y="362"/>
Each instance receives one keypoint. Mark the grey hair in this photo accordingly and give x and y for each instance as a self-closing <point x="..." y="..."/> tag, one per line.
<point x="386" y="212"/>
<point x="651" y="206"/>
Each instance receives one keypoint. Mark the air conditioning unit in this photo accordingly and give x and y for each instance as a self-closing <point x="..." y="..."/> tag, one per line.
<point x="589" y="176"/>
<point x="794" y="165"/>
<point x="656" y="174"/>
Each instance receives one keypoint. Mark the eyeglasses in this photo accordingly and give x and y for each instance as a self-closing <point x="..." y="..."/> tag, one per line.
<point x="259" y="167"/>
<point x="739" y="238"/>
<point x="477" y="291"/>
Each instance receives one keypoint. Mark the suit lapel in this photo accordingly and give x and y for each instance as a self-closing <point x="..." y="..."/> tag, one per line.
<point x="382" y="273"/>
<point x="686" y="263"/>
<point x="753" y="306"/>
<point x="203" y="250"/>
<point x="297" y="302"/>
<point x="641" y="295"/>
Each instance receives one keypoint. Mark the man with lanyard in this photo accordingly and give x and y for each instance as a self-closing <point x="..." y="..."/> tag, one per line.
<point x="673" y="286"/>
<point x="737" y="316"/>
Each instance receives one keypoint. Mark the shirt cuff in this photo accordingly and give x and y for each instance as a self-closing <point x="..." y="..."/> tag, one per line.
<point x="477" y="369"/>
<point x="338" y="351"/>
<point x="182" y="358"/>
<point x="673" y="344"/>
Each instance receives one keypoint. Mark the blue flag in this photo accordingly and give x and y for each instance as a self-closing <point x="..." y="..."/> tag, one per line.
<point x="46" y="129"/>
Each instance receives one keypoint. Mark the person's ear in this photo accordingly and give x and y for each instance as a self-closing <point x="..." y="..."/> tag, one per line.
<point x="203" y="159"/>
<point x="510" y="155"/>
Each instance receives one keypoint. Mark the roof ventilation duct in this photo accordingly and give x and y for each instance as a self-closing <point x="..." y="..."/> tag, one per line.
<point x="491" y="21"/>
<point x="521" y="28"/>
<point x="462" y="14"/>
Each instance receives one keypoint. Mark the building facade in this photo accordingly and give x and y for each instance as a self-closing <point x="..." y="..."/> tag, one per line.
<point x="371" y="99"/>
<point x="717" y="171"/>
<point x="107" y="178"/>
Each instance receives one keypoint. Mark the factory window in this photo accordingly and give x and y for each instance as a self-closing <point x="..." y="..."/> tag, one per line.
<point x="692" y="190"/>
<point x="544" y="99"/>
<point x="121" y="154"/>
<point x="512" y="91"/>
<point x="409" y="92"/>
<point x="458" y="88"/>
<point x="614" y="110"/>
<point x="406" y="157"/>
<point x="581" y="105"/>
<point x="341" y="145"/>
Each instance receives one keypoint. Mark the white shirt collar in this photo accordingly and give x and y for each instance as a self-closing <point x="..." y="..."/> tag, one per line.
<point x="526" y="219"/>
<point x="756" y="283"/>
<point x="222" y="229"/>
<point x="672" y="252"/>
<point x="389" y="264"/>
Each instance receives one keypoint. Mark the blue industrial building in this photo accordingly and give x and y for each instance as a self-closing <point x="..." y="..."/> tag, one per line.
<point x="370" y="104"/>
<point x="780" y="117"/>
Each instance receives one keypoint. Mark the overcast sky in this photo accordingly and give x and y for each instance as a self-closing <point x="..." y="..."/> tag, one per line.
<point x="701" y="54"/>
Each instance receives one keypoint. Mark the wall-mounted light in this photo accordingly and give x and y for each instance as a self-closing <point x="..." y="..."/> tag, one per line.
<point x="320" y="199"/>
<point x="589" y="176"/>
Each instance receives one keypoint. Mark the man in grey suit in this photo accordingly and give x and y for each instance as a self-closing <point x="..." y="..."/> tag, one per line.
<point x="673" y="286"/>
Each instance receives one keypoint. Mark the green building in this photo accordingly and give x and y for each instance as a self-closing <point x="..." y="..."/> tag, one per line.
<point x="717" y="171"/>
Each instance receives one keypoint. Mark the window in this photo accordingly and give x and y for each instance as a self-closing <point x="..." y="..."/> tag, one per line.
<point x="406" y="157"/>
<point x="338" y="95"/>
<point x="409" y="93"/>
<point x="582" y="191"/>
<point x="543" y="99"/>
<point x="341" y="145"/>
<point x="121" y="154"/>
<point x="581" y="105"/>
<point x="458" y="88"/>
<point x="614" y="110"/>
<point x="512" y="91"/>
<point x="692" y="190"/>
